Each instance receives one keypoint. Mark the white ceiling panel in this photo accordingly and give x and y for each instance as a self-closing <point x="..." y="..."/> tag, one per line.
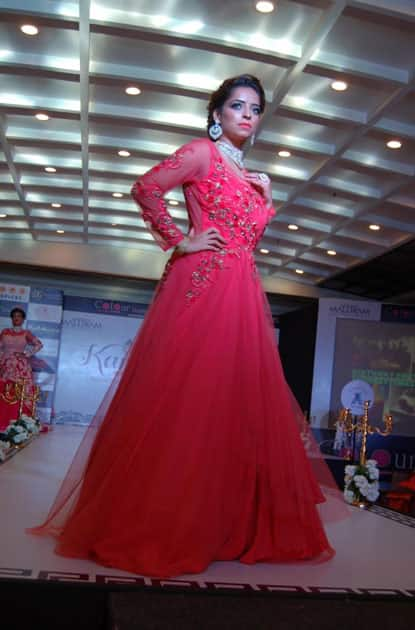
<point x="339" y="178"/>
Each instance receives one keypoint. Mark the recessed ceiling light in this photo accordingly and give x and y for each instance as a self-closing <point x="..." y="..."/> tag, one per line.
<point x="114" y="224"/>
<point x="3" y="216"/>
<point x="56" y="205"/>
<point x="117" y="194"/>
<point x="133" y="90"/>
<point x="293" y="227"/>
<point x="394" y="144"/>
<point x="42" y="116"/>
<point x="331" y="252"/>
<point x="29" y="29"/>
<point x="124" y="153"/>
<point x="284" y="153"/>
<point x="50" y="169"/>
<point x="299" y="271"/>
<point x="264" y="7"/>
<point x="339" y="86"/>
<point x="60" y="231"/>
<point x="374" y="227"/>
<point x="173" y="202"/>
<point x="264" y="251"/>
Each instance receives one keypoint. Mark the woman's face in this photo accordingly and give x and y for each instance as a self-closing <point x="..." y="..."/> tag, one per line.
<point x="17" y="319"/>
<point x="239" y="115"/>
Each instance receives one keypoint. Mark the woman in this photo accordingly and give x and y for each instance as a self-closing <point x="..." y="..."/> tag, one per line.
<point x="17" y="346"/>
<point x="212" y="467"/>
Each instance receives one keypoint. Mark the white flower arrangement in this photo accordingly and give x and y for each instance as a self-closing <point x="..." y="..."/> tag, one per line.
<point x="18" y="432"/>
<point x="361" y="482"/>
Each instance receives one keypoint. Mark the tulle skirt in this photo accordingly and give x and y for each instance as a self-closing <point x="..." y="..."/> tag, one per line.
<point x="196" y="453"/>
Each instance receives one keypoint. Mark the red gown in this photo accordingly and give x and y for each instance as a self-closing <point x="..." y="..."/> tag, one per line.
<point x="199" y="456"/>
<point x="16" y="348"/>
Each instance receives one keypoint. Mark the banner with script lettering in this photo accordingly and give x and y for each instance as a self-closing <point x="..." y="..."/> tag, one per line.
<point x="96" y="334"/>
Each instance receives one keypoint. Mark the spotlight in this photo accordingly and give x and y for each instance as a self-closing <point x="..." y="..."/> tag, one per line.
<point x="394" y="144"/>
<point x="132" y="90"/>
<point x="29" y="29"/>
<point x="264" y="7"/>
<point x="339" y="86"/>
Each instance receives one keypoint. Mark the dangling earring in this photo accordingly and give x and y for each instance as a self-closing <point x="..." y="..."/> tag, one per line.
<point x="215" y="130"/>
<point x="252" y="140"/>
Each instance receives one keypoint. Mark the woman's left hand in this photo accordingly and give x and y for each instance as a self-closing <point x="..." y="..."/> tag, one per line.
<point x="262" y="183"/>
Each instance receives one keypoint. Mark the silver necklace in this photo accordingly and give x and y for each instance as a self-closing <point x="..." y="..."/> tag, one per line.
<point x="235" y="154"/>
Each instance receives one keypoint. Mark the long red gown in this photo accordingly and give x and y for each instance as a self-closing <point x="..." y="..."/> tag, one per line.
<point x="16" y="348"/>
<point x="199" y="456"/>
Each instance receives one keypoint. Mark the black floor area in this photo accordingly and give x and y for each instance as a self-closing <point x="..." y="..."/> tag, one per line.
<point x="54" y="606"/>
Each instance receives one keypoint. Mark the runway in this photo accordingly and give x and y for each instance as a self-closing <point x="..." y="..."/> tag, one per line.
<point x="375" y="548"/>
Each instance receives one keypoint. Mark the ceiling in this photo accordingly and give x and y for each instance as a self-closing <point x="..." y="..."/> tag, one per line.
<point x="340" y="178"/>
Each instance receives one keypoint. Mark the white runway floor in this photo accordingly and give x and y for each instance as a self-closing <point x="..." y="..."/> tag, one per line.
<point x="375" y="554"/>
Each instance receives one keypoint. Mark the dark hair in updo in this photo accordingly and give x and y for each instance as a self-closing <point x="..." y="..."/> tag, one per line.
<point x="18" y="310"/>
<point x="224" y="92"/>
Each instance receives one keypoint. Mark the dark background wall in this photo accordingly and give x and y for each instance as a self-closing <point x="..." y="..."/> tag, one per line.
<point x="296" y="345"/>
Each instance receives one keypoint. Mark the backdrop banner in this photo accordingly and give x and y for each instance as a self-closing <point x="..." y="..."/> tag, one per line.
<point x="330" y="310"/>
<point x="380" y="355"/>
<point x="96" y="334"/>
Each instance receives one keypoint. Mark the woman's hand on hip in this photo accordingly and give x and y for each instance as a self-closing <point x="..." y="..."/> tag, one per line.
<point x="210" y="240"/>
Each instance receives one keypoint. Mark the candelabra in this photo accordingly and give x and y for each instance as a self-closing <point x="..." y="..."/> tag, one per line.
<point x="361" y="425"/>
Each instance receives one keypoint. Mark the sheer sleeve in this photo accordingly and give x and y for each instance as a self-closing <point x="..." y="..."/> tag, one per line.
<point x="34" y="344"/>
<point x="271" y="213"/>
<point x="187" y="165"/>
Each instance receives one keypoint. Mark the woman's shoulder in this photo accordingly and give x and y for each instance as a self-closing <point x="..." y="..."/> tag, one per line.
<point x="198" y="146"/>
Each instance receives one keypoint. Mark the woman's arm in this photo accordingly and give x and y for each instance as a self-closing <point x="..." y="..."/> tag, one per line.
<point x="34" y="344"/>
<point x="188" y="164"/>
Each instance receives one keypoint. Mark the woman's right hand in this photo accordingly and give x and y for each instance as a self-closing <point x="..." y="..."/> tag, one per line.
<point x="211" y="240"/>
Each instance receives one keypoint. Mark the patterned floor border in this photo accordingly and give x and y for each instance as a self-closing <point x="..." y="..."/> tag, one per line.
<point x="398" y="517"/>
<point x="208" y="586"/>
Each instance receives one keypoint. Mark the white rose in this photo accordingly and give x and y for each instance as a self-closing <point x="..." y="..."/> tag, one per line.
<point x="350" y="470"/>
<point x="360" y="481"/>
<point x="371" y="463"/>
<point x="373" y="473"/>
<point x="20" y="437"/>
<point x="18" y="428"/>
<point x="372" y="494"/>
